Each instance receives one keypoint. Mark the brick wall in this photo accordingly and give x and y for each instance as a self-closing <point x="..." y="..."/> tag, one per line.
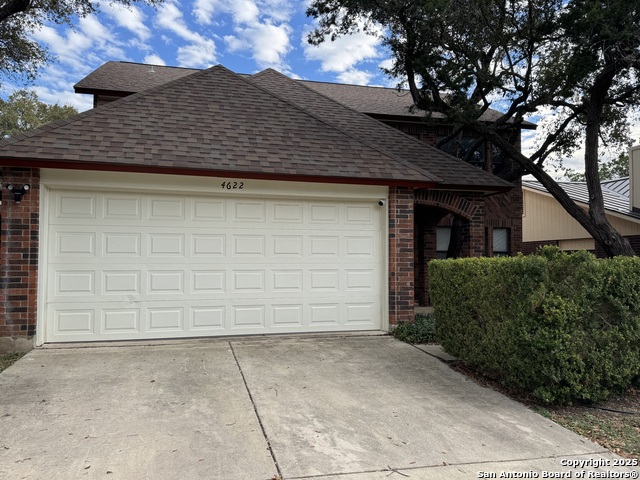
<point x="19" y="254"/>
<point x="531" y="247"/>
<point x="401" y="258"/>
<point x="501" y="210"/>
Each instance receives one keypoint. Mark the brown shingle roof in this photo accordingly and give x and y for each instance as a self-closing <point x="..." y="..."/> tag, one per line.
<point x="125" y="78"/>
<point x="406" y="149"/>
<point x="201" y="123"/>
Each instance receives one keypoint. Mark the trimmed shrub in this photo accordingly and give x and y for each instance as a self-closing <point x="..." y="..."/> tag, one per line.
<point x="564" y="327"/>
<point x="423" y="330"/>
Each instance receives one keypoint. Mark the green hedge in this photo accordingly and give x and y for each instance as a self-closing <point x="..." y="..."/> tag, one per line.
<point x="564" y="327"/>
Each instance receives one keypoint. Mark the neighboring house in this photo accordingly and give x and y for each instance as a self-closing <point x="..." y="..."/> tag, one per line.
<point x="221" y="204"/>
<point x="545" y="222"/>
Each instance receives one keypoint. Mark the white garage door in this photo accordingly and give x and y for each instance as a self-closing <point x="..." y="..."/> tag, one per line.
<point x="130" y="265"/>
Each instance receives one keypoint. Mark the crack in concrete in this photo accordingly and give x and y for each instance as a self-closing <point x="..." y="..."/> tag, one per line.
<point x="255" y="409"/>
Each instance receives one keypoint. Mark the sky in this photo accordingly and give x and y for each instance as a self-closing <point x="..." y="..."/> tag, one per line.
<point x="245" y="36"/>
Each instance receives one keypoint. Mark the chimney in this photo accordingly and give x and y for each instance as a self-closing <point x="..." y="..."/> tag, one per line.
<point x="634" y="178"/>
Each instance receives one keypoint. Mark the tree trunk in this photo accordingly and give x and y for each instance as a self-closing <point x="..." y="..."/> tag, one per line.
<point x="611" y="241"/>
<point x="597" y="226"/>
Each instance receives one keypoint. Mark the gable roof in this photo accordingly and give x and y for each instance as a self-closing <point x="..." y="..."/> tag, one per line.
<point x="615" y="194"/>
<point x="124" y="78"/>
<point x="200" y="124"/>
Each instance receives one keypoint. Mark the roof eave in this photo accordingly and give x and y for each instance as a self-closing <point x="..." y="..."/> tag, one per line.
<point x="71" y="165"/>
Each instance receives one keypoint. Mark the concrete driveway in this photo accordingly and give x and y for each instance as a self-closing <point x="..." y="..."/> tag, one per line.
<point x="323" y="407"/>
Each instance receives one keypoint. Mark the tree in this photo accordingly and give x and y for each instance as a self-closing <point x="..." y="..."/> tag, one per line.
<point x="24" y="111"/>
<point x="615" y="168"/>
<point x="578" y="59"/>
<point x="22" y="56"/>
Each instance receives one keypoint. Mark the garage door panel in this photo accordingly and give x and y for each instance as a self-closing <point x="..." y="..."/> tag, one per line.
<point x="123" y="321"/>
<point x="207" y="318"/>
<point x="125" y="265"/>
<point x="244" y="245"/>
<point x="73" y="205"/>
<point x="248" y="212"/>
<point x="167" y="319"/>
<point x="122" y="207"/>
<point x="119" y="244"/>
<point x="286" y="213"/>
<point x="208" y="245"/>
<point x="74" y="283"/>
<point x="163" y="208"/>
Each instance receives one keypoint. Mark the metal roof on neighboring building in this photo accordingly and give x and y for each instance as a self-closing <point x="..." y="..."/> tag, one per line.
<point x="615" y="194"/>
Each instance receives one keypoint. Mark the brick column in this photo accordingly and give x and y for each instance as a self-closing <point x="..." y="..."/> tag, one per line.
<point x="477" y="230"/>
<point x="19" y="256"/>
<point x="401" y="251"/>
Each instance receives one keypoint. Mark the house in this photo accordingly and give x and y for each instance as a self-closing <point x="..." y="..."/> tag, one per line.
<point x="502" y="211"/>
<point x="221" y="204"/>
<point x="545" y="222"/>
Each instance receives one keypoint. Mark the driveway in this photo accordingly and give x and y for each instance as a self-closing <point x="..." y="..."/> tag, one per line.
<point x="316" y="407"/>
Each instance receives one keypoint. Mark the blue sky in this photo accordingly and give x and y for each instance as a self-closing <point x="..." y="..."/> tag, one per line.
<point x="245" y="36"/>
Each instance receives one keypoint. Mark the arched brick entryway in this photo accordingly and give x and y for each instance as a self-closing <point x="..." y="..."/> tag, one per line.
<point x="434" y="208"/>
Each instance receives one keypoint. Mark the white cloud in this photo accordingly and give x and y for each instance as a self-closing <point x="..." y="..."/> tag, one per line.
<point x="279" y="10"/>
<point x="67" y="97"/>
<point x="236" y="44"/>
<point x="259" y="28"/>
<point x="130" y="18"/>
<point x="357" y="77"/>
<point x="268" y="43"/>
<point x="154" y="59"/>
<point x="204" y="10"/>
<point x="242" y="11"/>
<point x="343" y="53"/>
<point x="101" y="38"/>
<point x="201" y="52"/>
<point x="197" y="55"/>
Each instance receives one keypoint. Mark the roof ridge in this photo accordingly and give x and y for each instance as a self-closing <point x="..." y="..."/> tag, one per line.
<point x="379" y="87"/>
<point x="159" y="65"/>
<point x="337" y="127"/>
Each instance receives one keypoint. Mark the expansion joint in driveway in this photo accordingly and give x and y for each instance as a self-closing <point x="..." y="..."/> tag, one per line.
<point x="255" y="409"/>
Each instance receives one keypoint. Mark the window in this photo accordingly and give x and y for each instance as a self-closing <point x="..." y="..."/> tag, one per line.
<point x="459" y="147"/>
<point x="497" y="160"/>
<point x="443" y="236"/>
<point x="500" y="242"/>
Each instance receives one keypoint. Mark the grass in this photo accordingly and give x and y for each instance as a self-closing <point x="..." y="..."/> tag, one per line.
<point x="604" y="424"/>
<point x="9" y="359"/>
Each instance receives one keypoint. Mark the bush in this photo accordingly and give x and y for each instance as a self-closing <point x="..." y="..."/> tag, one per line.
<point x="564" y="327"/>
<point x="423" y="330"/>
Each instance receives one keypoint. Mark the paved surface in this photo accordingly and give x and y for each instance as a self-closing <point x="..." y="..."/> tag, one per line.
<point x="332" y="407"/>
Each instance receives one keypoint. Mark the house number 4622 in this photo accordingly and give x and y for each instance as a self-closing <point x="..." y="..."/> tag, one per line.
<point x="232" y="185"/>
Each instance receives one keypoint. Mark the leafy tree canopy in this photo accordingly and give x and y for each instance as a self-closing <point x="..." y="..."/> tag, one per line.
<point x="22" y="56"/>
<point x="576" y="63"/>
<point x="24" y="111"/>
